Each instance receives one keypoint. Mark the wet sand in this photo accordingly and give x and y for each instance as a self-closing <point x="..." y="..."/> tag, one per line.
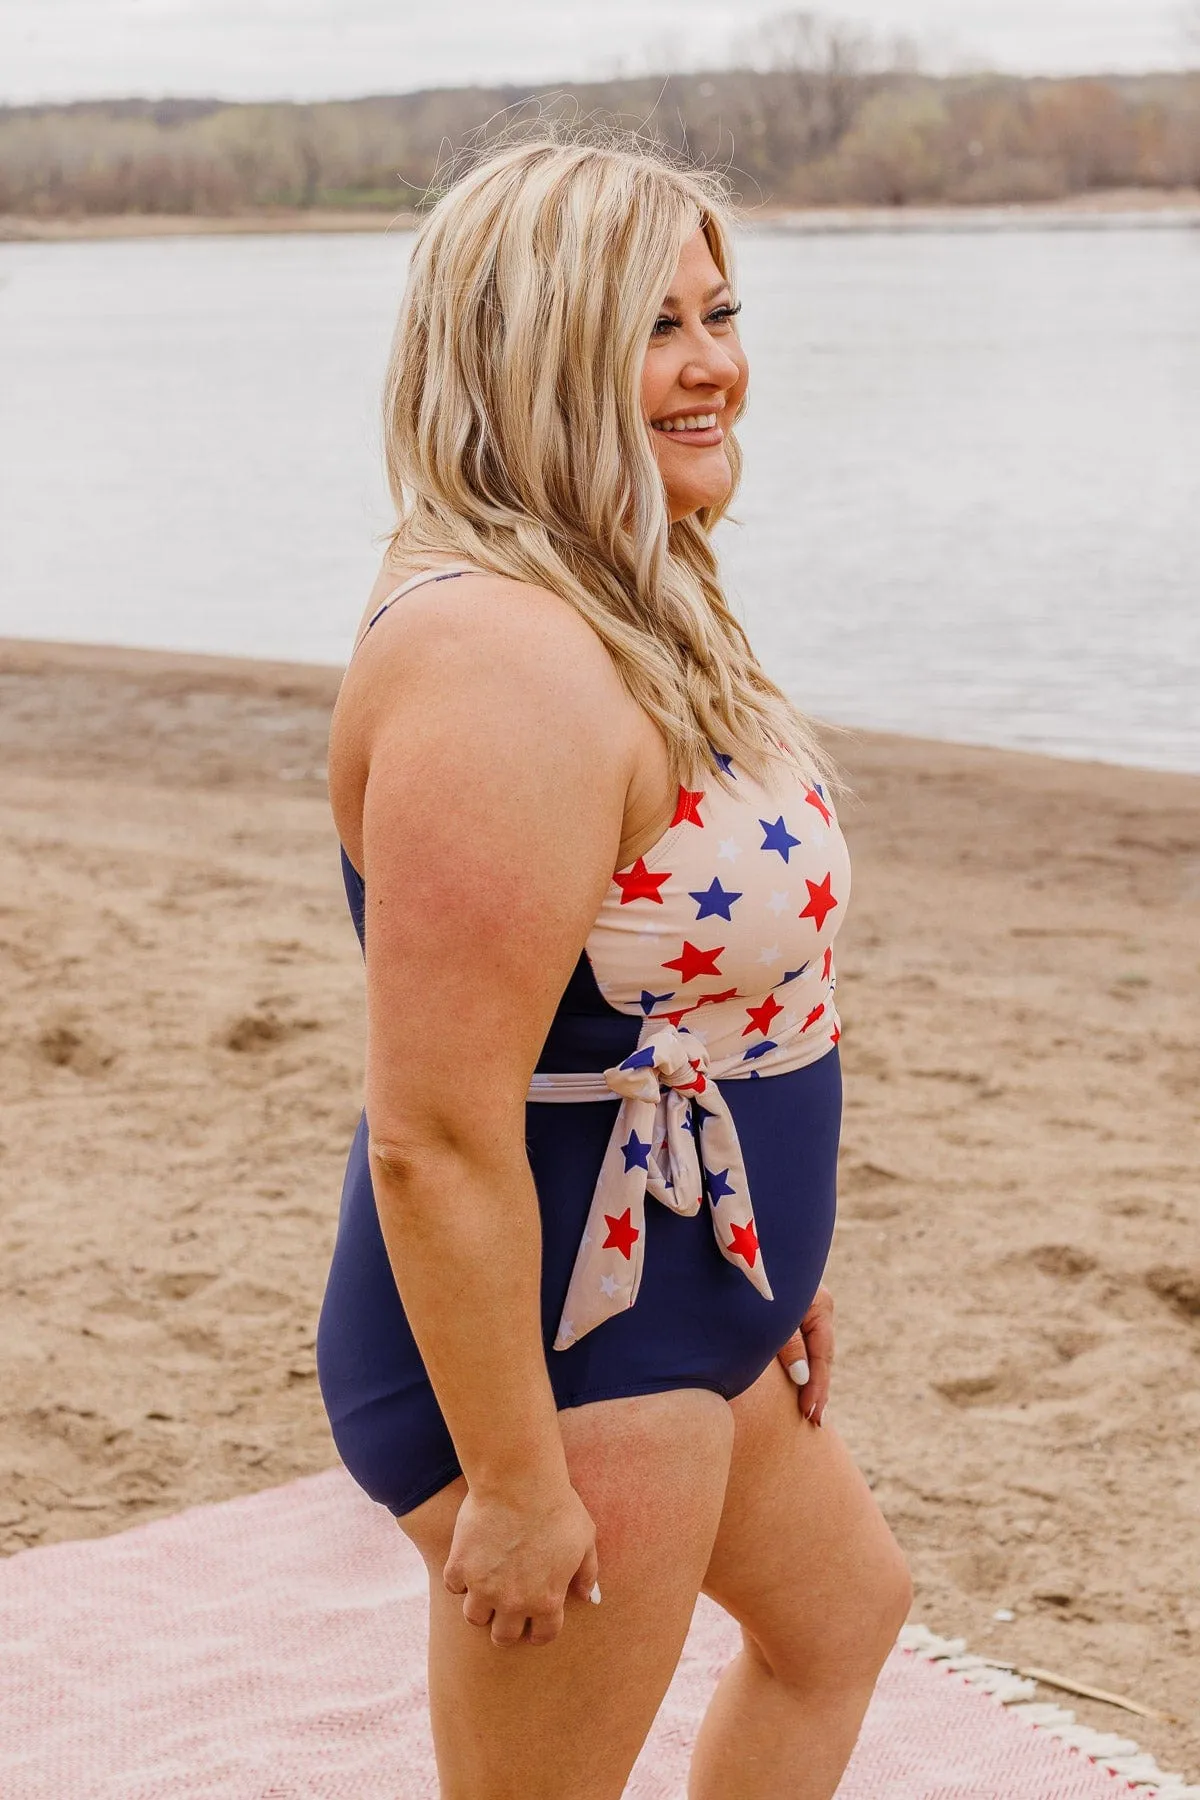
<point x="1017" y="1262"/>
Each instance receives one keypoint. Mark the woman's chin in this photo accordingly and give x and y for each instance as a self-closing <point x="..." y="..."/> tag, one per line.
<point x="695" y="500"/>
<point x="705" y="488"/>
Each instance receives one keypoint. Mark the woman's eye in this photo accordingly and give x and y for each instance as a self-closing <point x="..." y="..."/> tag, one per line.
<point x="665" y="324"/>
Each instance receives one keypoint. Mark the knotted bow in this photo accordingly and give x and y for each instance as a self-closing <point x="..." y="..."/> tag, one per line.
<point x="653" y="1149"/>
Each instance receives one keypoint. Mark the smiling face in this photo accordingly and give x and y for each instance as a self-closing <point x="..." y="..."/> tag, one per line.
<point x="693" y="380"/>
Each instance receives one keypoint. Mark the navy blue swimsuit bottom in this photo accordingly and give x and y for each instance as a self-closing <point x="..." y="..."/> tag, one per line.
<point x="696" y="1323"/>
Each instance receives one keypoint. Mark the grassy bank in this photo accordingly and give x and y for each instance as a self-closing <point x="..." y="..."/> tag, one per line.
<point x="830" y="122"/>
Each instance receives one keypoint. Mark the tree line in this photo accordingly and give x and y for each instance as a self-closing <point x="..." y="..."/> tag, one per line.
<point x="819" y="118"/>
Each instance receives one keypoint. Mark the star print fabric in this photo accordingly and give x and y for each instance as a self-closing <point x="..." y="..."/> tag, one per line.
<point x="727" y="923"/>
<point x="653" y="1149"/>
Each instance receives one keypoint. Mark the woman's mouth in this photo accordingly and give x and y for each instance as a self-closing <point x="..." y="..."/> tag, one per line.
<point x="699" y="428"/>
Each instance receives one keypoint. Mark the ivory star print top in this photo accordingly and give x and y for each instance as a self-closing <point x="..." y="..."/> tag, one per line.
<point x="720" y="938"/>
<point x="727" y="923"/>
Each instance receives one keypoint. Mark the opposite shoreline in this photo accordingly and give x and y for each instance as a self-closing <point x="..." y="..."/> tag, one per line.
<point x="1120" y="209"/>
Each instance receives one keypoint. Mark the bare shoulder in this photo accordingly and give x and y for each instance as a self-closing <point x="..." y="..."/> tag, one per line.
<point x="511" y="663"/>
<point x="486" y="626"/>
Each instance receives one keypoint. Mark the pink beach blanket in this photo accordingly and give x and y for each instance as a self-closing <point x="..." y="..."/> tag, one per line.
<point x="273" y="1648"/>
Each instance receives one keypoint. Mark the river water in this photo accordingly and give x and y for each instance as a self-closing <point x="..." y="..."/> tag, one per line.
<point x="971" y="507"/>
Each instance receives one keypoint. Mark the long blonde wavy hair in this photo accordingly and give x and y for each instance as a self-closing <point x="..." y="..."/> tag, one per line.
<point x="515" y="439"/>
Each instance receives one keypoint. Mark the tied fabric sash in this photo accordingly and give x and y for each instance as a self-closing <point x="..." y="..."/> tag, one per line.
<point x="654" y="1149"/>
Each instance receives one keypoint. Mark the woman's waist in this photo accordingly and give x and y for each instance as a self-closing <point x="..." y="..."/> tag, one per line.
<point x="572" y="1066"/>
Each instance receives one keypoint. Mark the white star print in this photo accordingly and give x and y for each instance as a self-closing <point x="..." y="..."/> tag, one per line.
<point x="729" y="849"/>
<point x="609" y="1284"/>
<point x="777" y="902"/>
<point x="773" y="955"/>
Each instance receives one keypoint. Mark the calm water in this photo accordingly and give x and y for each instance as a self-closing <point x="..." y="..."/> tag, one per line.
<point x="970" y="511"/>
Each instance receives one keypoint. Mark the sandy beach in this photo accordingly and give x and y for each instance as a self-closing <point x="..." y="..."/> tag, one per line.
<point x="1017" y="1261"/>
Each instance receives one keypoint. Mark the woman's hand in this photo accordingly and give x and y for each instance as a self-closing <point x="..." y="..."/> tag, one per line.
<point x="516" y="1561"/>
<point x="808" y="1354"/>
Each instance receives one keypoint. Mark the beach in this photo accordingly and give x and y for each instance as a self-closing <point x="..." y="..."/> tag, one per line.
<point x="1016" y="1265"/>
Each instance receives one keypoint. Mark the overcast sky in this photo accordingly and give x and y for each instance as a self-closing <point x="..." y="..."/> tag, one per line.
<point x="313" y="49"/>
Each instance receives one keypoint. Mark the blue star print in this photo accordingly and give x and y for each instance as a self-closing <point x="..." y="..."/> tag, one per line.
<point x="636" y="1153"/>
<point x="649" y="1001"/>
<point x="791" y="975"/>
<point x="778" y="837"/>
<point x="714" y="901"/>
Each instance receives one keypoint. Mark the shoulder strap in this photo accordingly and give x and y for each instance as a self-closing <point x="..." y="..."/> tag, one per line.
<point x="421" y="576"/>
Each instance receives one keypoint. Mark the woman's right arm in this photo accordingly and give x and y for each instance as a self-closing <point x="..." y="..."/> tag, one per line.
<point x="492" y="726"/>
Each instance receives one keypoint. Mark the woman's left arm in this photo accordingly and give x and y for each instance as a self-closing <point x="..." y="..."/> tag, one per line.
<point x="808" y="1355"/>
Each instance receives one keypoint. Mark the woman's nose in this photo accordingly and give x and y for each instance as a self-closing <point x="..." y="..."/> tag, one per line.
<point x="711" y="367"/>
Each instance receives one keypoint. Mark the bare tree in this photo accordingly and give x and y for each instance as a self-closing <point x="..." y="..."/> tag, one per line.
<point x="830" y="69"/>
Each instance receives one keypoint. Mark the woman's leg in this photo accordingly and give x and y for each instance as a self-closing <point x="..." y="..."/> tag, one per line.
<point x="565" y="1721"/>
<point x="805" y="1562"/>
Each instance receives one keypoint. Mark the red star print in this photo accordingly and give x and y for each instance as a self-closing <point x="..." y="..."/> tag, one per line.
<point x="692" y="962"/>
<point x="827" y="964"/>
<point x="743" y="1240"/>
<point x="687" y="808"/>
<point x="814" y="799"/>
<point x="674" y="1018"/>
<point x="834" y="1035"/>
<point x="820" y="901"/>
<point x="621" y="1233"/>
<point x="640" y="884"/>
<point x="712" y="999"/>
<point x="699" y="1084"/>
<point x="816" y="1013"/>
<point x="760" y="1016"/>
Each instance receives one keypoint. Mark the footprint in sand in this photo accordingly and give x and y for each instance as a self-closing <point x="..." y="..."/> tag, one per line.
<point x="261" y="1030"/>
<point x="66" y="1046"/>
<point x="1179" y="1287"/>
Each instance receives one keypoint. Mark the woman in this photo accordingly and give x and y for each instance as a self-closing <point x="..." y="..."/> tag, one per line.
<point x="590" y="1200"/>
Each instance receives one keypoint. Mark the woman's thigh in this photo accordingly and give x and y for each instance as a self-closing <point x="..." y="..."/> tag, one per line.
<point x="803" y="1558"/>
<point x="569" y="1717"/>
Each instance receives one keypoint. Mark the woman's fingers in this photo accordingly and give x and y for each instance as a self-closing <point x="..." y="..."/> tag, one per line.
<point x="586" y="1581"/>
<point x="808" y="1356"/>
<point x="546" y="1627"/>
<point x="477" y="1610"/>
<point x="817" y="1326"/>
<point x="794" y="1357"/>
<point x="507" y="1627"/>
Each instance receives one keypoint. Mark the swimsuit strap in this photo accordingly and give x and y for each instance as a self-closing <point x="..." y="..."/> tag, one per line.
<point x="414" y="581"/>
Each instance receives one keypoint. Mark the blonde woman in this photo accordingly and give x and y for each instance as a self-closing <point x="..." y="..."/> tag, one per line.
<point x="591" y="853"/>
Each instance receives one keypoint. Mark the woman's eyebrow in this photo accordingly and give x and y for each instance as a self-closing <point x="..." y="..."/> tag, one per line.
<point x="722" y="287"/>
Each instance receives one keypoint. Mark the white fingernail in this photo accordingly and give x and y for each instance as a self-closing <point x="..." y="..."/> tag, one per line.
<point x="821" y="1415"/>
<point x="594" y="1596"/>
<point x="798" y="1371"/>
